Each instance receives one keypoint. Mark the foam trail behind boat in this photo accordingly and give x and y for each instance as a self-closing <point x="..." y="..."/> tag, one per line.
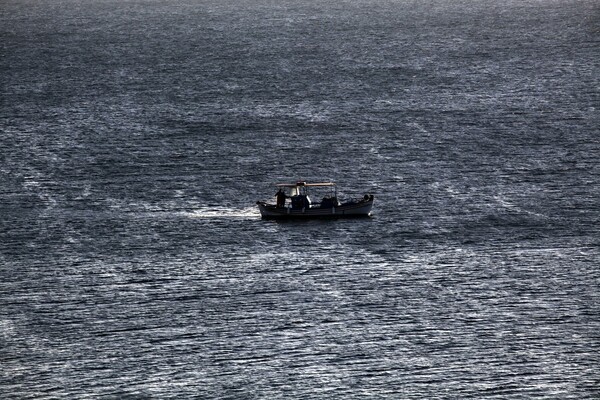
<point x="223" y="212"/>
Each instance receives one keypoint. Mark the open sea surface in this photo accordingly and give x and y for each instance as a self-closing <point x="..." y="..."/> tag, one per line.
<point x="136" y="137"/>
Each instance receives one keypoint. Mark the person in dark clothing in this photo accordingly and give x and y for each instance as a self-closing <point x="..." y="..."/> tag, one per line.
<point x="280" y="198"/>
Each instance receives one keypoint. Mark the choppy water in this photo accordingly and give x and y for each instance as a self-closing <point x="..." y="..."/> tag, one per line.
<point x="137" y="136"/>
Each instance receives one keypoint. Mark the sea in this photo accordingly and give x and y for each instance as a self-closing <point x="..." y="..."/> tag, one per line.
<point x="137" y="135"/>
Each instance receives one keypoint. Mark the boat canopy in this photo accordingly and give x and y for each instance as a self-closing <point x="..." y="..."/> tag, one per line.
<point x="292" y="185"/>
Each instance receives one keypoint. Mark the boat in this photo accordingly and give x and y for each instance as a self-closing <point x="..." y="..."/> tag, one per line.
<point x="294" y="202"/>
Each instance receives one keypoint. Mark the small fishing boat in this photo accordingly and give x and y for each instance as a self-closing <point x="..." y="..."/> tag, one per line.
<point x="294" y="202"/>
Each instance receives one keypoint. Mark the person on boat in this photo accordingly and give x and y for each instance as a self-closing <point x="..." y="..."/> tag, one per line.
<point x="280" y="195"/>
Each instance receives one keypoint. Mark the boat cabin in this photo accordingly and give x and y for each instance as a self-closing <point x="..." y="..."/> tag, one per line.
<point x="299" y="195"/>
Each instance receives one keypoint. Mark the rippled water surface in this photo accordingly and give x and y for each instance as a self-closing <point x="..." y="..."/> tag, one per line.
<point x="136" y="137"/>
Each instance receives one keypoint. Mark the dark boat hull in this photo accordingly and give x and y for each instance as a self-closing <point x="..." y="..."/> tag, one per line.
<point x="348" y="210"/>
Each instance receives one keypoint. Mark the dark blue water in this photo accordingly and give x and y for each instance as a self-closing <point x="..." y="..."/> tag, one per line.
<point x="136" y="137"/>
